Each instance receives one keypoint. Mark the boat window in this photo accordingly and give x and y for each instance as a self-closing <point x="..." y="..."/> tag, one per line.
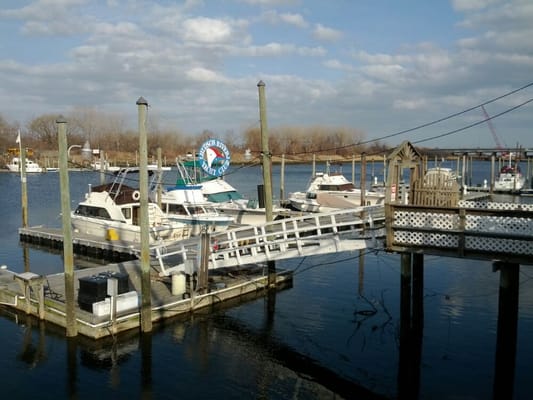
<point x="222" y="197"/>
<point x="95" y="212"/>
<point x="346" y="186"/>
<point x="175" y="209"/>
<point x="126" y="212"/>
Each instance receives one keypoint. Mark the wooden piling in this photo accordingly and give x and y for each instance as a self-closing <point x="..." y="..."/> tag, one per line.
<point x="23" y="184"/>
<point x="68" y="252"/>
<point x="507" y="330"/>
<point x="146" y="298"/>
<point x="363" y="179"/>
<point x="265" y="153"/>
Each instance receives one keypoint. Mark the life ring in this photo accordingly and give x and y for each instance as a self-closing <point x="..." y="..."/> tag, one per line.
<point x="136" y="195"/>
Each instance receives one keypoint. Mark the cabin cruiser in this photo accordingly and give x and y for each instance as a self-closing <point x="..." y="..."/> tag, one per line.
<point x="31" y="166"/>
<point x="332" y="191"/>
<point x="112" y="211"/>
<point x="224" y="197"/>
<point x="510" y="179"/>
<point x="186" y="203"/>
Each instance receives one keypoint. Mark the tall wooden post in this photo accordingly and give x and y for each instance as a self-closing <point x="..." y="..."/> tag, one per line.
<point x="159" y="177"/>
<point x="492" y="163"/>
<point x="146" y="287"/>
<point x="363" y="179"/>
<point x="282" y="179"/>
<point x="23" y="183"/>
<point x="68" y="253"/>
<point x="353" y="169"/>
<point x="102" y="167"/>
<point x="265" y="152"/>
<point x="267" y="172"/>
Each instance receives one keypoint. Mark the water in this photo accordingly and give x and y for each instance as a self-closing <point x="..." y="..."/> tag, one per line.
<point x="335" y="332"/>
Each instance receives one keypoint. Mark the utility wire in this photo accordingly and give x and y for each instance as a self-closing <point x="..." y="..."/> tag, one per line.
<point x="434" y="122"/>
<point x="474" y="124"/>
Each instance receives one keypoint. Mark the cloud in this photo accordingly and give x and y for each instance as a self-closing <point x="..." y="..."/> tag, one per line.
<point x="469" y="5"/>
<point x="338" y="65"/>
<point x="327" y="34"/>
<point x="204" y="75"/>
<point x="206" y="30"/>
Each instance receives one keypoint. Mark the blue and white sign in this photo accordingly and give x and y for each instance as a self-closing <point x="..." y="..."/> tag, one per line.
<point x="215" y="157"/>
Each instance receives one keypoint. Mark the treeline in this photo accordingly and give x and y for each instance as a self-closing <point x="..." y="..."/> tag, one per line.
<point x="109" y="133"/>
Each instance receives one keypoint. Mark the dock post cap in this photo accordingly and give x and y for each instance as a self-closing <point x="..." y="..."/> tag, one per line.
<point x="141" y="101"/>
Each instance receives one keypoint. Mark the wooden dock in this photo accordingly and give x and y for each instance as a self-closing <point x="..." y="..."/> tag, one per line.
<point x="239" y="261"/>
<point x="44" y="296"/>
<point x="87" y="245"/>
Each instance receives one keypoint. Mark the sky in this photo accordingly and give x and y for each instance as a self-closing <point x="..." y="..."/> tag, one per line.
<point x="379" y="67"/>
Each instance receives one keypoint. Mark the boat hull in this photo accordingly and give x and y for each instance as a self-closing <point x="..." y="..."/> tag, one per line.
<point x="106" y="229"/>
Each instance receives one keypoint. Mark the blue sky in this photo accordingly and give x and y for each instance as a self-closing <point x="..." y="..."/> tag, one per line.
<point x="373" y="66"/>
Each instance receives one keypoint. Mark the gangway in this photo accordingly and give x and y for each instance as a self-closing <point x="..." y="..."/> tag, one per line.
<point x="306" y="235"/>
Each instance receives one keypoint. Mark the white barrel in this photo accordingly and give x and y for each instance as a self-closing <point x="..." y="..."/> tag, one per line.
<point x="178" y="284"/>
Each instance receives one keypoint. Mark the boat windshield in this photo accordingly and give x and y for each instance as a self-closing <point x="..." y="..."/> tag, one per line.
<point x="343" y="187"/>
<point x="225" y="196"/>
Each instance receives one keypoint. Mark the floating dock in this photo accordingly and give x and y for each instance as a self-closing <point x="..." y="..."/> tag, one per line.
<point x="99" y="315"/>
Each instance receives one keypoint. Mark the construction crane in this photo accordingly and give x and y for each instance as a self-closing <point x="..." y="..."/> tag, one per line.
<point x="492" y="130"/>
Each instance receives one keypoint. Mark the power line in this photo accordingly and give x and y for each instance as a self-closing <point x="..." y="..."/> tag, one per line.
<point x="434" y="122"/>
<point x="475" y="123"/>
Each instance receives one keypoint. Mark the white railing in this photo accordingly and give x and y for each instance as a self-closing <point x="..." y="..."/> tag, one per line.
<point x="310" y="234"/>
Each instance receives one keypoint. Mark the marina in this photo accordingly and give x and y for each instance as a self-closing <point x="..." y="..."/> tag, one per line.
<point x="225" y="278"/>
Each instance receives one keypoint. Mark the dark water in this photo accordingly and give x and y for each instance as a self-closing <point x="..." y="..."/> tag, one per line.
<point x="334" y="333"/>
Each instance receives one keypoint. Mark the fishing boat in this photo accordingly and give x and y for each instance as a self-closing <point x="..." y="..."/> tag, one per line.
<point x="186" y="203"/>
<point x="510" y="178"/>
<point x="112" y="211"/>
<point x="332" y="191"/>
<point x="31" y="166"/>
<point x="226" y="199"/>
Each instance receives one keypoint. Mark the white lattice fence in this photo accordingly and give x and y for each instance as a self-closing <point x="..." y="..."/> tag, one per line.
<point x="479" y="227"/>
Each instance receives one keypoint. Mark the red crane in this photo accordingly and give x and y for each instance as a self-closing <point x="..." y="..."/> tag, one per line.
<point x="491" y="127"/>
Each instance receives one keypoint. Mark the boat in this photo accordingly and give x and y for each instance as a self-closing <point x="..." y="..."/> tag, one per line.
<point x="112" y="211"/>
<point x="31" y="166"/>
<point x="332" y="191"/>
<point x="226" y="199"/>
<point x="510" y="178"/>
<point x="97" y="166"/>
<point x="186" y="203"/>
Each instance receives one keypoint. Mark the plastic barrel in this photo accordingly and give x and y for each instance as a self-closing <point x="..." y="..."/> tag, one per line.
<point x="178" y="284"/>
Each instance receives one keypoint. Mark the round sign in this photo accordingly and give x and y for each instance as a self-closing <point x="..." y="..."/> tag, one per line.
<point x="215" y="157"/>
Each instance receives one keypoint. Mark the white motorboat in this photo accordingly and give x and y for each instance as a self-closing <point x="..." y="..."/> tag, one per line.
<point x="510" y="178"/>
<point x="112" y="211"/>
<point x="329" y="192"/>
<point x="186" y="203"/>
<point x="97" y="166"/>
<point x="31" y="166"/>
<point x="224" y="197"/>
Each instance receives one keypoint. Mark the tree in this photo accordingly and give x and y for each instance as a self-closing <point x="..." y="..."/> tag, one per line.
<point x="44" y="129"/>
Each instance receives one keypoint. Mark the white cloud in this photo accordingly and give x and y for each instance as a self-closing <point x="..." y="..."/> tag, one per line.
<point x="204" y="75"/>
<point x="294" y="19"/>
<point x="206" y="30"/>
<point x="469" y="5"/>
<point x="327" y="34"/>
<point x="336" y="64"/>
